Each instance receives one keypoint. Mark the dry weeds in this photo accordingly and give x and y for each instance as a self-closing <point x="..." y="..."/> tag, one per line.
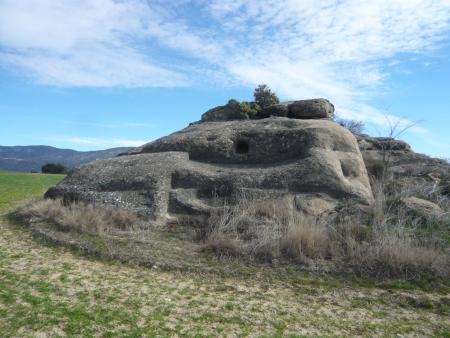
<point x="393" y="244"/>
<point x="48" y="291"/>
<point x="81" y="217"/>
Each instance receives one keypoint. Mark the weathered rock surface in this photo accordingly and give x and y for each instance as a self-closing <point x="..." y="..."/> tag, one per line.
<point x="281" y="109"/>
<point x="311" y="109"/>
<point x="404" y="163"/>
<point x="221" y="113"/>
<point x="302" y="109"/>
<point x="421" y="206"/>
<point x="315" y="163"/>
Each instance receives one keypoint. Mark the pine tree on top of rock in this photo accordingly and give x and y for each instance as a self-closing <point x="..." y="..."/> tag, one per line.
<point x="264" y="96"/>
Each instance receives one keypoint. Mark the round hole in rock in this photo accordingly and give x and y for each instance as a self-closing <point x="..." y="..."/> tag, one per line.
<point x="242" y="147"/>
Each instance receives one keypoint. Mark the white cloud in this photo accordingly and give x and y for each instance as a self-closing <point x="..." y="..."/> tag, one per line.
<point x="98" y="67"/>
<point x="339" y="49"/>
<point x="81" y="43"/>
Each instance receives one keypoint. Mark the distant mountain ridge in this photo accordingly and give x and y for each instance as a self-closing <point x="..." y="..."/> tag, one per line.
<point x="32" y="158"/>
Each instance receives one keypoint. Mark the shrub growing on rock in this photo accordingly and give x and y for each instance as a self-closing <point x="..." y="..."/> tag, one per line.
<point x="264" y="96"/>
<point x="249" y="109"/>
<point x="235" y="110"/>
<point x="356" y="127"/>
<point x="242" y="110"/>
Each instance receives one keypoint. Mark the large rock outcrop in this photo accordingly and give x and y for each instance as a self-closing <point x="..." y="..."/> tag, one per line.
<point x="314" y="163"/>
<point x="407" y="166"/>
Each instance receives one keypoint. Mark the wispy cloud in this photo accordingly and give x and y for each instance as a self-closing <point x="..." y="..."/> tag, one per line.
<point x="81" y="43"/>
<point x="98" y="142"/>
<point x="335" y="49"/>
<point x="339" y="49"/>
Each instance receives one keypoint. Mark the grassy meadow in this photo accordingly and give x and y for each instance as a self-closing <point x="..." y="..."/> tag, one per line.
<point x="16" y="187"/>
<point x="51" y="291"/>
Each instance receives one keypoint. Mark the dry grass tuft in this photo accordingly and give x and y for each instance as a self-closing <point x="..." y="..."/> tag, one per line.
<point x="390" y="246"/>
<point x="392" y="252"/>
<point x="304" y="241"/>
<point x="78" y="216"/>
<point x="249" y="229"/>
<point x="391" y="242"/>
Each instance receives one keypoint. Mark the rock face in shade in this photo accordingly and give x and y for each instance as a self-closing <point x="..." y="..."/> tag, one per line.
<point x="281" y="109"/>
<point x="314" y="163"/>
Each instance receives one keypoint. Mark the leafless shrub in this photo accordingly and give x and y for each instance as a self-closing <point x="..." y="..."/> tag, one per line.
<point x="396" y="128"/>
<point x="267" y="230"/>
<point x="123" y="219"/>
<point x="356" y="127"/>
<point x="222" y="246"/>
<point x="78" y="216"/>
<point x="253" y="228"/>
<point x="397" y="252"/>
<point x="444" y="186"/>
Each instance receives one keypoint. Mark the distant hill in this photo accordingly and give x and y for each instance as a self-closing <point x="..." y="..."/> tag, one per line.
<point x="32" y="158"/>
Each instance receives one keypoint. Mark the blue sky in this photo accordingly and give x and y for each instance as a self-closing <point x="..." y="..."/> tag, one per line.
<point x="93" y="74"/>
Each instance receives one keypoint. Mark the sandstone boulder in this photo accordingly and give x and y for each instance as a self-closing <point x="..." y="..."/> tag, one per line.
<point x="421" y="206"/>
<point x="281" y="109"/>
<point x="314" y="163"/>
<point x="221" y="113"/>
<point x="233" y="110"/>
<point x="407" y="166"/>
<point x="311" y="109"/>
<point x="302" y="109"/>
<point x="314" y="205"/>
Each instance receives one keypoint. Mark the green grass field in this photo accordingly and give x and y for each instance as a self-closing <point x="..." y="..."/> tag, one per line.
<point x="16" y="187"/>
<point x="48" y="291"/>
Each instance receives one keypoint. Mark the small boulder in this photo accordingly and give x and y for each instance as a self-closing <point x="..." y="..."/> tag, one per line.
<point x="233" y="110"/>
<point x="421" y="206"/>
<point x="368" y="143"/>
<point x="314" y="205"/>
<point x="311" y="109"/>
<point x="220" y="113"/>
<point x="407" y="167"/>
<point x="303" y="109"/>
<point x="274" y="110"/>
